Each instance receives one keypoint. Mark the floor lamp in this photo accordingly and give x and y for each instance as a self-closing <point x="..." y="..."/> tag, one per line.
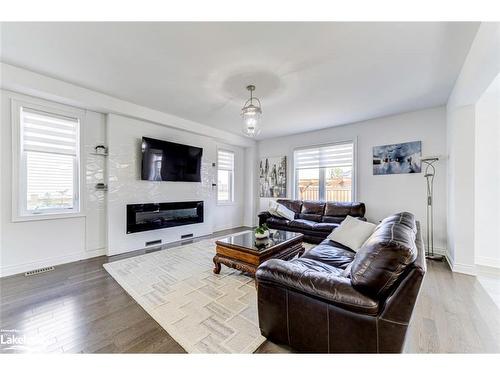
<point x="430" y="172"/>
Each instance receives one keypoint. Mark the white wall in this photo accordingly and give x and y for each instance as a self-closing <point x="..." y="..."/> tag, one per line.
<point x="383" y="195"/>
<point x="251" y="186"/>
<point x="126" y="187"/>
<point x="95" y="172"/>
<point x="460" y="185"/>
<point x="487" y="177"/>
<point x="32" y="244"/>
<point x="481" y="67"/>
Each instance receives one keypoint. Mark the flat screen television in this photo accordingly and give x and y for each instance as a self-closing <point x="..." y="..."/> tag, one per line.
<point x="168" y="161"/>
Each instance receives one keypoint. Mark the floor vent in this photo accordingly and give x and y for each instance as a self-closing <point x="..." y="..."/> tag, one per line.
<point x="40" y="270"/>
<point x="151" y="243"/>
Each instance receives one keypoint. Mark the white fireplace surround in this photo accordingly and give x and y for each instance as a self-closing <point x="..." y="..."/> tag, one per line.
<point x="126" y="187"/>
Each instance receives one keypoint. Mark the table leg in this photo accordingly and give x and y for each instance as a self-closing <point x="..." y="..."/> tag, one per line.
<point x="216" y="265"/>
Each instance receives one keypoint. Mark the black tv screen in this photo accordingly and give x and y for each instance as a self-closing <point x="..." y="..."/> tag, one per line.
<point x="168" y="161"/>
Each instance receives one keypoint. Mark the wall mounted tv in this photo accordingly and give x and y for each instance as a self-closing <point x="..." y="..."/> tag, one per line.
<point x="168" y="161"/>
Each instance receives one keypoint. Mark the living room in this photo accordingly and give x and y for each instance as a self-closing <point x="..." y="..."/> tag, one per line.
<point x="223" y="187"/>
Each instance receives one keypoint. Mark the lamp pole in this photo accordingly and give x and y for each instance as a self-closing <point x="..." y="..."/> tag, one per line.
<point x="430" y="172"/>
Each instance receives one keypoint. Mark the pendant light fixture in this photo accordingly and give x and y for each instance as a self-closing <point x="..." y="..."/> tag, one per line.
<point x="250" y="113"/>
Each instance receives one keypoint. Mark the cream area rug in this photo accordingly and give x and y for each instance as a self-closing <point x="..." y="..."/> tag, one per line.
<point x="202" y="311"/>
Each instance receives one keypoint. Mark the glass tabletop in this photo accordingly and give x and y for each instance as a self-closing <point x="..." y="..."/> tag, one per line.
<point x="248" y="240"/>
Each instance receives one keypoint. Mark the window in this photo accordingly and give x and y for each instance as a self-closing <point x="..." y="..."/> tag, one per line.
<point x="225" y="176"/>
<point x="49" y="163"/>
<point x="325" y="172"/>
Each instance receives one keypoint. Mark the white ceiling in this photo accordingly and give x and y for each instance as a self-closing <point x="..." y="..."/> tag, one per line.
<point x="308" y="75"/>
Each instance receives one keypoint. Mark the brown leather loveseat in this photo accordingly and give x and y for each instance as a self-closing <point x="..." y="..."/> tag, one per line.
<point x="314" y="219"/>
<point x="333" y="300"/>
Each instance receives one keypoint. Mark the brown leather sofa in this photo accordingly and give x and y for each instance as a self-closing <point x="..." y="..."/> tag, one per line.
<point x="314" y="219"/>
<point x="332" y="300"/>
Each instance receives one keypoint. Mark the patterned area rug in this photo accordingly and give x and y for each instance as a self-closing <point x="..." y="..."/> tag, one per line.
<point x="203" y="312"/>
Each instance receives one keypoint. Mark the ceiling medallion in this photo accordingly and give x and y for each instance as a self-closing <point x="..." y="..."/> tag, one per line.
<point x="250" y="113"/>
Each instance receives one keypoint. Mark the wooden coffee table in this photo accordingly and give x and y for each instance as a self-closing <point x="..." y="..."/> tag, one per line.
<point x="245" y="253"/>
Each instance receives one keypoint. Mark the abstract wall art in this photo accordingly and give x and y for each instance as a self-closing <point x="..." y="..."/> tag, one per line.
<point x="397" y="158"/>
<point x="272" y="177"/>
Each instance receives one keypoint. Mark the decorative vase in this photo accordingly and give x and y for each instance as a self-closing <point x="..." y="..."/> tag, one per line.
<point x="262" y="235"/>
<point x="261" y="242"/>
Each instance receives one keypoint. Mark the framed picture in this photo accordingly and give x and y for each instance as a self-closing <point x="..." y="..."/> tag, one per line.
<point x="397" y="158"/>
<point x="272" y="177"/>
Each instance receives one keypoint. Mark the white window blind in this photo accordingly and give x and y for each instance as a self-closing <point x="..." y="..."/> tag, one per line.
<point x="225" y="176"/>
<point x="49" y="151"/>
<point x="325" y="172"/>
<point x="338" y="155"/>
<point x="45" y="132"/>
<point x="225" y="160"/>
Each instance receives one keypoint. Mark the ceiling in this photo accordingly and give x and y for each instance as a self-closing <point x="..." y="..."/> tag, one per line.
<point x="308" y="75"/>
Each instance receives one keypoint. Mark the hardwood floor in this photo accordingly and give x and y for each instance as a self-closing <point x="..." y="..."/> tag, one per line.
<point x="454" y="314"/>
<point x="79" y="308"/>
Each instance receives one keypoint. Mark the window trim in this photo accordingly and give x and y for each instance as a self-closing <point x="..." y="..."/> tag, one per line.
<point x="19" y="212"/>
<point x="354" y="142"/>
<point x="231" y="201"/>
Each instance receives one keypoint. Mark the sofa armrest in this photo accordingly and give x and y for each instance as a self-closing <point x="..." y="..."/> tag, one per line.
<point x="263" y="216"/>
<point x="333" y="288"/>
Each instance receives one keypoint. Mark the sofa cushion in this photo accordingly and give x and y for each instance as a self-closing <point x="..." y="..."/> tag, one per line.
<point x="302" y="224"/>
<point x="342" y="209"/>
<point x="278" y="210"/>
<point x="316" y="279"/>
<point x="277" y="221"/>
<point x="352" y="233"/>
<point x="272" y="209"/>
<point x="317" y="266"/>
<point x="310" y="217"/>
<point x="294" y="205"/>
<point x="404" y="218"/>
<point x="338" y="257"/>
<point x="325" y="227"/>
<point x="385" y="255"/>
<point x="284" y="212"/>
<point x="329" y="242"/>
<point x="313" y="208"/>
<point x="333" y="219"/>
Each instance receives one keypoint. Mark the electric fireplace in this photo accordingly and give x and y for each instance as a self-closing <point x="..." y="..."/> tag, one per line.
<point x="150" y="216"/>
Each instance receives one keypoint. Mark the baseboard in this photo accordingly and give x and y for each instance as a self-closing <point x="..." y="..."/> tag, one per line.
<point x="226" y="227"/>
<point x="483" y="265"/>
<point x="449" y="259"/>
<point x="488" y="262"/>
<point x="55" y="261"/>
<point x="445" y="253"/>
<point x="466" y="269"/>
<point x="440" y="251"/>
<point x="487" y="271"/>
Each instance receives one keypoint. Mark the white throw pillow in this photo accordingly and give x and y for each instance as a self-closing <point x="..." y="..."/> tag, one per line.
<point x="273" y="207"/>
<point x="285" y="212"/>
<point x="352" y="233"/>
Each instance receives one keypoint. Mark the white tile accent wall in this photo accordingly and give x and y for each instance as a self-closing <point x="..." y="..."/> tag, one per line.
<point x="126" y="187"/>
